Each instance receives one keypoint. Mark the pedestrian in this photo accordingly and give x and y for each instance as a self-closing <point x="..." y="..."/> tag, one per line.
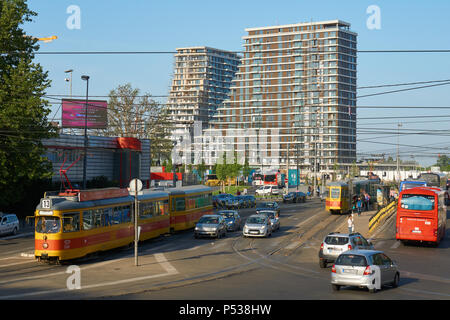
<point x="350" y="224"/>
<point x="359" y="206"/>
<point x="318" y="191"/>
<point x="366" y="200"/>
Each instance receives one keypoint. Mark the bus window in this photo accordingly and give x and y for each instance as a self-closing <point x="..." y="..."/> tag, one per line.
<point x="417" y="202"/>
<point x="71" y="222"/>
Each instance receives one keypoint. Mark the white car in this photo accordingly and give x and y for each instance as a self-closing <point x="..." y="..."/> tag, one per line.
<point x="267" y="190"/>
<point x="257" y="225"/>
<point x="9" y="224"/>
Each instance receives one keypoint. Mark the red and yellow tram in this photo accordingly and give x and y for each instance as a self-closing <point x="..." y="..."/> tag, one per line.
<point x="73" y="225"/>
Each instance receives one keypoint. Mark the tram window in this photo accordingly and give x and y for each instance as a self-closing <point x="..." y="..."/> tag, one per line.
<point x="48" y="225"/>
<point x="179" y="204"/>
<point x="98" y="217"/>
<point x="116" y="218"/>
<point x="126" y="214"/>
<point x="163" y="207"/>
<point x="106" y="217"/>
<point x="146" y="210"/>
<point x="335" y="193"/>
<point x="71" y="222"/>
<point x="88" y="220"/>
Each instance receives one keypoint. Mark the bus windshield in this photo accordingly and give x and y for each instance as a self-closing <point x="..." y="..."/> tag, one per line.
<point x="270" y="177"/>
<point x="410" y="185"/>
<point x="48" y="225"/>
<point x="211" y="177"/>
<point x="417" y="202"/>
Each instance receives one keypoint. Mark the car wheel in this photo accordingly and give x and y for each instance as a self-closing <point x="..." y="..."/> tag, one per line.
<point x="336" y="287"/>
<point x="396" y="280"/>
<point x="323" y="263"/>
<point x="14" y="231"/>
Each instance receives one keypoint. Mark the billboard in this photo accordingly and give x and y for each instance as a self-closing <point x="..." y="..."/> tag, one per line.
<point x="74" y="113"/>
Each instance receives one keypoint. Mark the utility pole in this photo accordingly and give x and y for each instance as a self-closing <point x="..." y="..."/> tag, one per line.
<point x="398" y="153"/>
<point x="86" y="78"/>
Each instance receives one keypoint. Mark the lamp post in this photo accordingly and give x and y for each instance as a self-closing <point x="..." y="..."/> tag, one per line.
<point x="69" y="80"/>
<point x="86" y="78"/>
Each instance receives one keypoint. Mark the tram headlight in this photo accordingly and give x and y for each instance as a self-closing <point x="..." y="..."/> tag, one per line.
<point x="45" y="245"/>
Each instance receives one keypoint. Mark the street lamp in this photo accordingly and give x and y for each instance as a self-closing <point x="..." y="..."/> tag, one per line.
<point x="69" y="80"/>
<point x="86" y="78"/>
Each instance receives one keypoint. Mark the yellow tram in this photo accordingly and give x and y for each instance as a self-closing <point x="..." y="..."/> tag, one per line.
<point x="75" y="224"/>
<point x="340" y="194"/>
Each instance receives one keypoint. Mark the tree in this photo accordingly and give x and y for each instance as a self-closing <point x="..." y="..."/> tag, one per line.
<point x="23" y="111"/>
<point x="133" y="115"/>
<point x="443" y="162"/>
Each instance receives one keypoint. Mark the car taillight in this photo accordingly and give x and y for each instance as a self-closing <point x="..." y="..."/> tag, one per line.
<point x="435" y="232"/>
<point x="349" y="247"/>
<point x="367" y="271"/>
<point x="333" y="269"/>
<point x="321" y="246"/>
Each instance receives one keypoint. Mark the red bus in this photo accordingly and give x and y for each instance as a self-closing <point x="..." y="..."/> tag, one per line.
<point x="275" y="179"/>
<point x="421" y="215"/>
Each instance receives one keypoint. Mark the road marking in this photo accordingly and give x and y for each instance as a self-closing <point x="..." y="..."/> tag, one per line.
<point x="160" y="258"/>
<point x="396" y="245"/>
<point x="293" y="245"/>
<point x="379" y="244"/>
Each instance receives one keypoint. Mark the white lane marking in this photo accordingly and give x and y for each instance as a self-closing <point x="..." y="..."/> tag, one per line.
<point x="160" y="258"/>
<point x="396" y="245"/>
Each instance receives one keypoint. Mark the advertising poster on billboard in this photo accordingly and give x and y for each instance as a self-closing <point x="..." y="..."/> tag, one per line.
<point x="73" y="114"/>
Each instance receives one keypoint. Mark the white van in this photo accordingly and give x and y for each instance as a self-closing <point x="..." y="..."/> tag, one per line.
<point x="9" y="224"/>
<point x="264" y="190"/>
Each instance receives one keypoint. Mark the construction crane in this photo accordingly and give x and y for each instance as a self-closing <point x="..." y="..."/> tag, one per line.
<point x="45" y="39"/>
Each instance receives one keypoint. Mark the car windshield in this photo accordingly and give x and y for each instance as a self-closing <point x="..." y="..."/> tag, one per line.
<point x="417" y="202"/>
<point x="267" y="205"/>
<point x="255" y="220"/>
<point x="333" y="240"/>
<point x="351" y="260"/>
<point x="48" y="225"/>
<point x="227" y="214"/>
<point x="209" y="220"/>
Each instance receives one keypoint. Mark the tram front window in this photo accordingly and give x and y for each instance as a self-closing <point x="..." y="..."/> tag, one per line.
<point x="48" y="225"/>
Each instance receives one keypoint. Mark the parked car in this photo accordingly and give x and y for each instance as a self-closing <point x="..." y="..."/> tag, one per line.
<point x="210" y="225"/>
<point x="295" y="196"/>
<point x="257" y="225"/>
<point x="232" y="202"/>
<point x="267" y="190"/>
<point x="364" y="268"/>
<point x="232" y="219"/>
<point x="336" y="243"/>
<point x="251" y="201"/>
<point x="220" y="199"/>
<point x="9" y="224"/>
<point x="274" y="219"/>
<point x="243" y="202"/>
<point x="272" y="205"/>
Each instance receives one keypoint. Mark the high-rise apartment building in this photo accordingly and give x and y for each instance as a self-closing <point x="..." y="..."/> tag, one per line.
<point x="294" y="98"/>
<point x="201" y="81"/>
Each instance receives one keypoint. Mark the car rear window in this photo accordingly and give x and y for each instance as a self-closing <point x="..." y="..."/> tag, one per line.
<point x="351" y="260"/>
<point x="333" y="240"/>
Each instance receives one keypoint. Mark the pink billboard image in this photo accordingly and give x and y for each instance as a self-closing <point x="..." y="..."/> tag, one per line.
<point x="73" y="114"/>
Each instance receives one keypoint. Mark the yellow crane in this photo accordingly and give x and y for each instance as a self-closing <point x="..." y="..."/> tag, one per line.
<point x="45" y="39"/>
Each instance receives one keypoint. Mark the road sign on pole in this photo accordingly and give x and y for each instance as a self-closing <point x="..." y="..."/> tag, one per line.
<point x="135" y="187"/>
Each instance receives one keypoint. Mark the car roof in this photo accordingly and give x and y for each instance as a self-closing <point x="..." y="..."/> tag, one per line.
<point x="234" y="211"/>
<point x="258" y="215"/>
<point x="211" y="215"/>
<point x="365" y="252"/>
<point x="338" y="234"/>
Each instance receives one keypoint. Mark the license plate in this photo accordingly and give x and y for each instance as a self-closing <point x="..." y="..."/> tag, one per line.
<point x="352" y="271"/>
<point x="416" y="231"/>
<point x="254" y="232"/>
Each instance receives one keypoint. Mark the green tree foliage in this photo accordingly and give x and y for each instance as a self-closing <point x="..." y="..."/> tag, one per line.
<point x="443" y="162"/>
<point x="133" y="115"/>
<point x="23" y="112"/>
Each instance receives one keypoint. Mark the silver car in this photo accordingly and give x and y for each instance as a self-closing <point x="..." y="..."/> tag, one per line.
<point x="211" y="225"/>
<point x="9" y="224"/>
<point x="274" y="219"/>
<point x="257" y="225"/>
<point x="369" y="269"/>
<point x="336" y="243"/>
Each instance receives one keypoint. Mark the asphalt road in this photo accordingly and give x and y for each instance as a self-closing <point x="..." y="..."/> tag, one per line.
<point x="281" y="267"/>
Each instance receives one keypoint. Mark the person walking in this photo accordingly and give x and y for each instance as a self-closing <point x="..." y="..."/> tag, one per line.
<point x="367" y="200"/>
<point x="350" y="224"/>
<point x="359" y="205"/>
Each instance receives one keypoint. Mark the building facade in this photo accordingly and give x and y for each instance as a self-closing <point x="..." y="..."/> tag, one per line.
<point x="201" y="82"/>
<point x="293" y="100"/>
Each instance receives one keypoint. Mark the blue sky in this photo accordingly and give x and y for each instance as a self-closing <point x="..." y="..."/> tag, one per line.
<point x="138" y="25"/>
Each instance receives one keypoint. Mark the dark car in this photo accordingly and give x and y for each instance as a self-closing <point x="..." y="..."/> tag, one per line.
<point x="220" y="200"/>
<point x="251" y="201"/>
<point x="272" y="205"/>
<point x="294" y="197"/>
<point x="232" y="219"/>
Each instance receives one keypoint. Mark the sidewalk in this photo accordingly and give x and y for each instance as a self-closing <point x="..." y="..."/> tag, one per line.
<point x="361" y="223"/>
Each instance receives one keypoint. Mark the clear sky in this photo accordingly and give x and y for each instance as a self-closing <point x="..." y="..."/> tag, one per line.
<point x="138" y="25"/>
